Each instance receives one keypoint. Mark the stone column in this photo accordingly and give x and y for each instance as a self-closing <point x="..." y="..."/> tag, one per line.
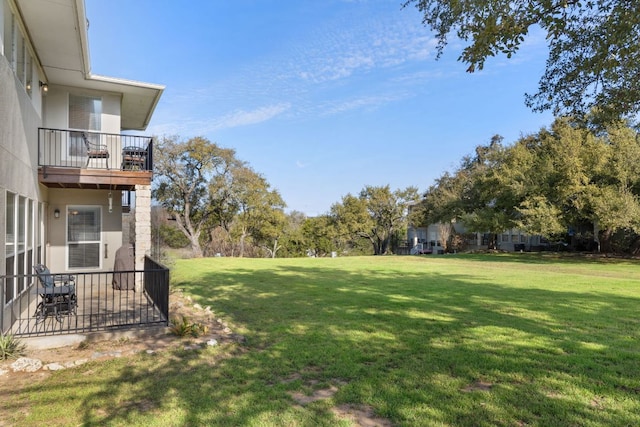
<point x="142" y="218"/>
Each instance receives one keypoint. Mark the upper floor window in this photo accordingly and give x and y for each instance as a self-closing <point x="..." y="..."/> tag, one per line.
<point x="85" y="113"/>
<point x="16" y="50"/>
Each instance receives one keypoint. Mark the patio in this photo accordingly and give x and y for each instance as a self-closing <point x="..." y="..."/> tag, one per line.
<point x="99" y="306"/>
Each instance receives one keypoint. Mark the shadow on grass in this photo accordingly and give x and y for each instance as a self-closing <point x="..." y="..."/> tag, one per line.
<point x="410" y="345"/>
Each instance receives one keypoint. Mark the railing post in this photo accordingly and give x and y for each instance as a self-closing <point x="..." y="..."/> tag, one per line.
<point x="2" y="285"/>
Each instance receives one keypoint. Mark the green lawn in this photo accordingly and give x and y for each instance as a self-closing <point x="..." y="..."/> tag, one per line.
<point x="461" y="340"/>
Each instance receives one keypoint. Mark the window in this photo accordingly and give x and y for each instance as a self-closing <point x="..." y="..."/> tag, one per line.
<point x="85" y="113"/>
<point x="24" y="230"/>
<point x="84" y="229"/>
<point x="20" y="58"/>
<point x="22" y="237"/>
<point x="17" y="50"/>
<point x="10" y="245"/>
<point x="39" y="233"/>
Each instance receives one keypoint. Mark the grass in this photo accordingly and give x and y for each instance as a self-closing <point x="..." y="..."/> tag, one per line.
<point x="466" y="340"/>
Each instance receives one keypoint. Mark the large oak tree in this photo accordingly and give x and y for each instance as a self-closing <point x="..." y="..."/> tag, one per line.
<point x="376" y="214"/>
<point x="592" y="69"/>
<point x="185" y="172"/>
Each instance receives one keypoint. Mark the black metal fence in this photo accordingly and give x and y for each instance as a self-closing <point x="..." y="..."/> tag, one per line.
<point x="87" y="302"/>
<point x="94" y="150"/>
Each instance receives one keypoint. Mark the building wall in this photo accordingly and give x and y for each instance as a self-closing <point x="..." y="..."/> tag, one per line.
<point x="111" y="225"/>
<point x="56" y="105"/>
<point x="20" y="117"/>
<point x="19" y="121"/>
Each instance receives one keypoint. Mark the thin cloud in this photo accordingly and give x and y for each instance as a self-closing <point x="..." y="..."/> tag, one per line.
<point x="358" y="103"/>
<point x="297" y="80"/>
<point x="244" y="118"/>
<point x="237" y="118"/>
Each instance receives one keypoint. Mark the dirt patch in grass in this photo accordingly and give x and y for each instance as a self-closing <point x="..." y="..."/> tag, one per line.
<point x="304" y="399"/>
<point x="361" y="415"/>
<point x="478" y="386"/>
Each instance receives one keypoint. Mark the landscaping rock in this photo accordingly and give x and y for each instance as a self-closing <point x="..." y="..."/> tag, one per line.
<point x="192" y="347"/>
<point x="98" y="355"/>
<point x="53" y="367"/>
<point x="25" y="364"/>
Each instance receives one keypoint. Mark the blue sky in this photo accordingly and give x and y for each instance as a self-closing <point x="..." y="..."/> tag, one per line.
<point x="321" y="97"/>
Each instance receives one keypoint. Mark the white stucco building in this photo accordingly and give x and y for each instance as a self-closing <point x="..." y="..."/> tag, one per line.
<point x="64" y="160"/>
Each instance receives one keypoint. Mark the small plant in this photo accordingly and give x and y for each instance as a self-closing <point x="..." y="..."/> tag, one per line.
<point x="83" y="345"/>
<point x="182" y="327"/>
<point x="11" y="347"/>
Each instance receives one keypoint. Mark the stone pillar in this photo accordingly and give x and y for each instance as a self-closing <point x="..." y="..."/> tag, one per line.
<point x="142" y="218"/>
<point x="127" y="238"/>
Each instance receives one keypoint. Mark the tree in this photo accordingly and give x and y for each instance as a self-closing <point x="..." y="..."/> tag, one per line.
<point x="321" y="235"/>
<point x="294" y="242"/>
<point x="375" y="215"/>
<point x="592" y="69"/>
<point x="270" y="228"/>
<point x="248" y="206"/>
<point x="444" y="231"/>
<point x="184" y="172"/>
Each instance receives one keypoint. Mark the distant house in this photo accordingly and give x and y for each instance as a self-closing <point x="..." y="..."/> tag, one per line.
<point x="434" y="238"/>
<point x="65" y="165"/>
<point x="429" y="239"/>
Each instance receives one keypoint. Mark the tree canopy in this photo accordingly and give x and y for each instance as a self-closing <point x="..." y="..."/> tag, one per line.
<point x="184" y="171"/>
<point x="564" y="182"/>
<point x="375" y="215"/>
<point x="592" y="69"/>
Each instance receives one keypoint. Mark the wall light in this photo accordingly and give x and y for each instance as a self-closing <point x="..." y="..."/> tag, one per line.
<point x="56" y="213"/>
<point x="44" y="87"/>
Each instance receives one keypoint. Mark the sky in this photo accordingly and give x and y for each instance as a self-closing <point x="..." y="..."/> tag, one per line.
<point x="321" y="97"/>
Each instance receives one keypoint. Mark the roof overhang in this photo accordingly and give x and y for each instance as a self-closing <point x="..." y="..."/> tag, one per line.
<point x="57" y="30"/>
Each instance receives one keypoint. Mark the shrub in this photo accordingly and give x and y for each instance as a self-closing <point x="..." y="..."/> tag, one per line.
<point x="11" y="347"/>
<point x="182" y="327"/>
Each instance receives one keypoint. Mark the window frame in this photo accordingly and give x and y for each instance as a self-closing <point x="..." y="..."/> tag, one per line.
<point x="24" y="231"/>
<point x="75" y="150"/>
<point x="99" y="232"/>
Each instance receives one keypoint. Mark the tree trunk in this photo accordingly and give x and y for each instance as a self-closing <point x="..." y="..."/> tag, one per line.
<point x="242" y="237"/>
<point x="385" y="246"/>
<point x="196" y="249"/>
<point x="606" y="240"/>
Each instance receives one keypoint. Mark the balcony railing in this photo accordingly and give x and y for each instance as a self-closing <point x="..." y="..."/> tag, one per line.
<point x="95" y="305"/>
<point x="95" y="150"/>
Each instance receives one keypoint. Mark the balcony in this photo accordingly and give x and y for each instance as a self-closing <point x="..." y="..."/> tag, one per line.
<point x="83" y="159"/>
<point x="97" y="306"/>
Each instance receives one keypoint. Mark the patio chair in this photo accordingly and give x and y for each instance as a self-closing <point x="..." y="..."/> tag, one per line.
<point x="95" y="150"/>
<point x="134" y="158"/>
<point x="57" y="293"/>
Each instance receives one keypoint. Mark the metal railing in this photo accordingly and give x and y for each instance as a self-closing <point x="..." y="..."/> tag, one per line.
<point x="94" y="150"/>
<point x="89" y="303"/>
